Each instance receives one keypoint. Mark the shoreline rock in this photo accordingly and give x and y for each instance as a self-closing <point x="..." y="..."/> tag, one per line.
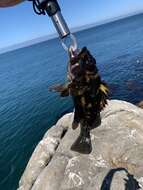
<point x="140" y="104"/>
<point x="117" y="154"/>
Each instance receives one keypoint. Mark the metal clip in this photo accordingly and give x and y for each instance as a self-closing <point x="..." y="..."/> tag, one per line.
<point x="60" y="25"/>
<point x="69" y="43"/>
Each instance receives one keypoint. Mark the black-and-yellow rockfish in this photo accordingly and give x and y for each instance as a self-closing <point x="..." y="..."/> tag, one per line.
<point x="88" y="91"/>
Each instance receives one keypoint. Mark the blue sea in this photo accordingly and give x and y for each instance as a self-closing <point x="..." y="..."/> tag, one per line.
<point x="28" y="109"/>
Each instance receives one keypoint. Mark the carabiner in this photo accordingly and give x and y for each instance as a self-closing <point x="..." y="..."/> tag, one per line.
<point x="73" y="44"/>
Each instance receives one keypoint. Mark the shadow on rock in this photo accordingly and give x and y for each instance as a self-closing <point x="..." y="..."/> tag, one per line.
<point x="130" y="183"/>
<point x="83" y="143"/>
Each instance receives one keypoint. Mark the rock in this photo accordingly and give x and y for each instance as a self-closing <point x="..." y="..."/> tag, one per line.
<point x="115" y="162"/>
<point x="44" y="152"/>
<point x="140" y="104"/>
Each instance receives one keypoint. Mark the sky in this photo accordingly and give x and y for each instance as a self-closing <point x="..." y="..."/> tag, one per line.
<point x="20" y="23"/>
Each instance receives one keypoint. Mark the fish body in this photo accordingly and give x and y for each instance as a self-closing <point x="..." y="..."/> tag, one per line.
<point x="88" y="91"/>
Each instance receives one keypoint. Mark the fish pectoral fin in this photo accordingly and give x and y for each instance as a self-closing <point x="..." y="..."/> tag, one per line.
<point x="63" y="89"/>
<point x="65" y="92"/>
<point x="103" y="95"/>
<point x="58" y="87"/>
<point x="103" y="88"/>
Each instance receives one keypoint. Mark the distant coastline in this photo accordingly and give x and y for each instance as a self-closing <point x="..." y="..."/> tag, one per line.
<point x="76" y="29"/>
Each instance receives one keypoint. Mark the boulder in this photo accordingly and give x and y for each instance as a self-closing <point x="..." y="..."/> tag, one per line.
<point x="115" y="162"/>
<point x="140" y="104"/>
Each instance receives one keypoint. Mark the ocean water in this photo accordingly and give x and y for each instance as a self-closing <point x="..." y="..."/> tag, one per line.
<point x="28" y="109"/>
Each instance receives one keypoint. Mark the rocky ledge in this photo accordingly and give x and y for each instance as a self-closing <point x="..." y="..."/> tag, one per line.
<point x="140" y="104"/>
<point x="115" y="163"/>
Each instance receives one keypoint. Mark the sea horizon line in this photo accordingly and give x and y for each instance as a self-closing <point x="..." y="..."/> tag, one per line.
<point x="48" y="37"/>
